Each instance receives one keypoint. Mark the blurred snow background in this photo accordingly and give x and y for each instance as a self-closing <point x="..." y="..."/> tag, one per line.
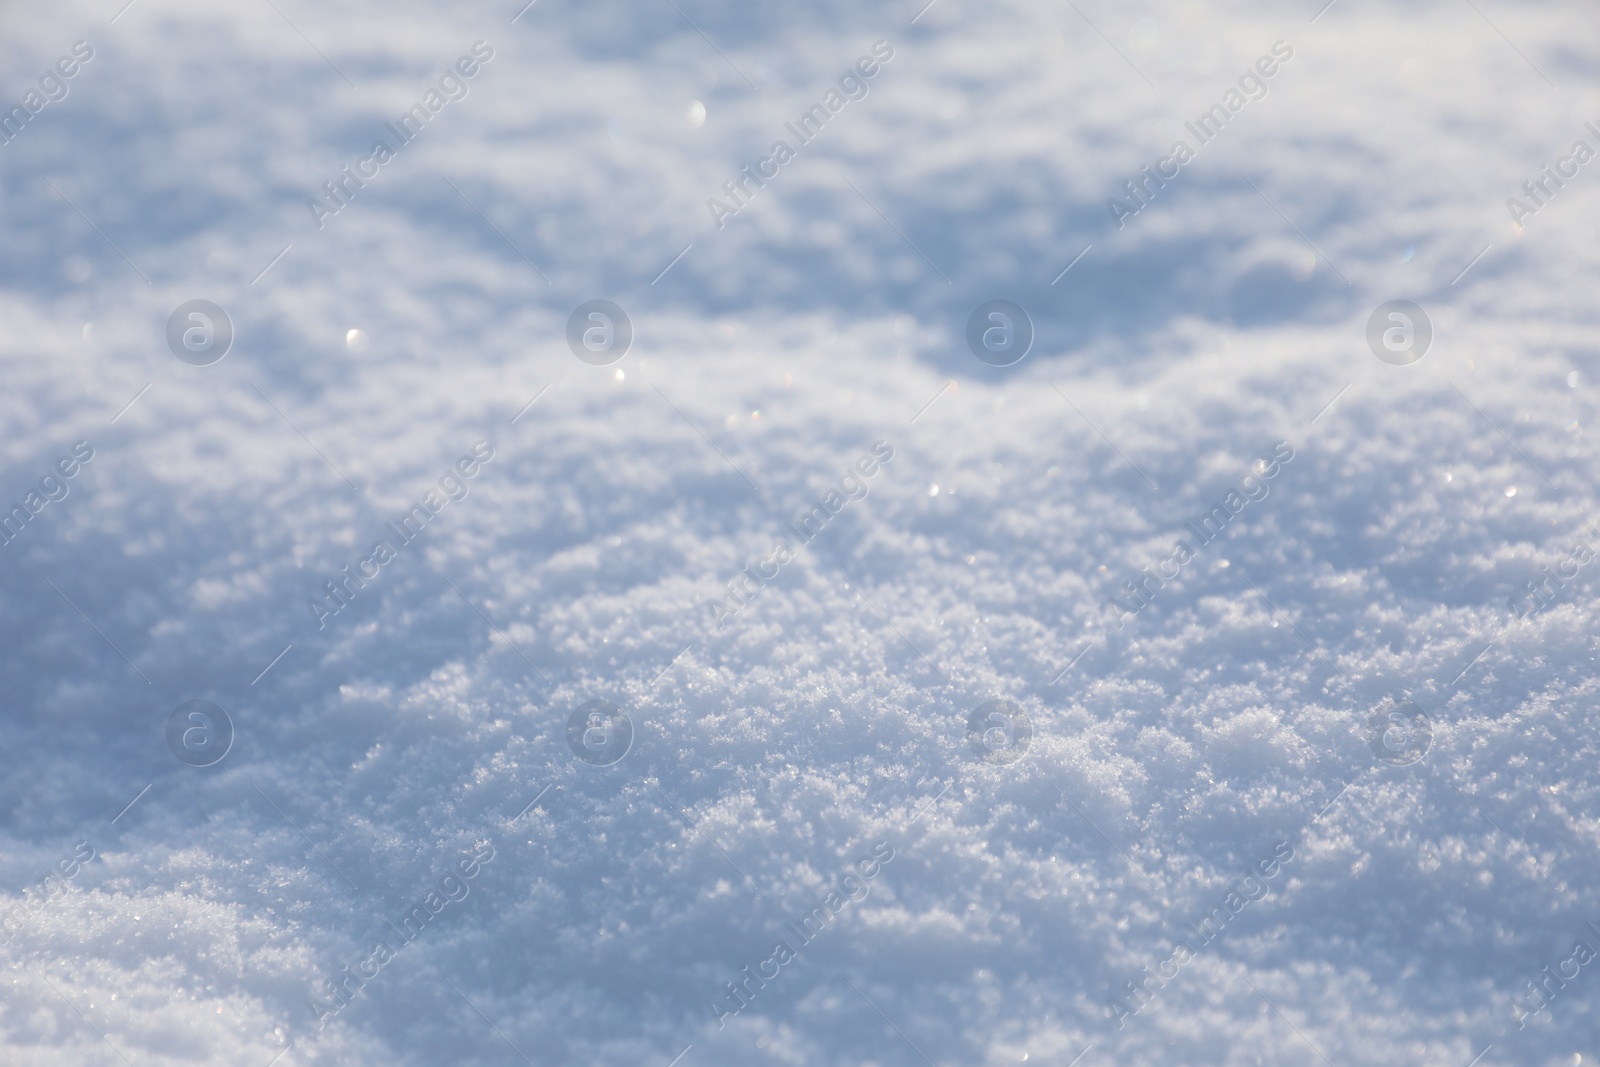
<point x="772" y="753"/>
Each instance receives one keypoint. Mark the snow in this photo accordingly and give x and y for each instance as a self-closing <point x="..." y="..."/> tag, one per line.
<point x="777" y="747"/>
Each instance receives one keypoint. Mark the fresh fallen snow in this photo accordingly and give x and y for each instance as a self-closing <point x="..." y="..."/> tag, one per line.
<point x="793" y="727"/>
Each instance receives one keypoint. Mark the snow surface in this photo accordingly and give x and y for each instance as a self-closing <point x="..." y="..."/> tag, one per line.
<point x="427" y="721"/>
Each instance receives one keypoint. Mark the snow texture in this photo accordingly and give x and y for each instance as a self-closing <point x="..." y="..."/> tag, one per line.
<point x="1315" y="783"/>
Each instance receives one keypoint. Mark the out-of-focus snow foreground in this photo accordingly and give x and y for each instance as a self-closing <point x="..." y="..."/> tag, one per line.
<point x="1229" y="838"/>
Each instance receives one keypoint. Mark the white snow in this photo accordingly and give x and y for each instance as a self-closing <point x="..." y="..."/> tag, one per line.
<point x="771" y="754"/>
